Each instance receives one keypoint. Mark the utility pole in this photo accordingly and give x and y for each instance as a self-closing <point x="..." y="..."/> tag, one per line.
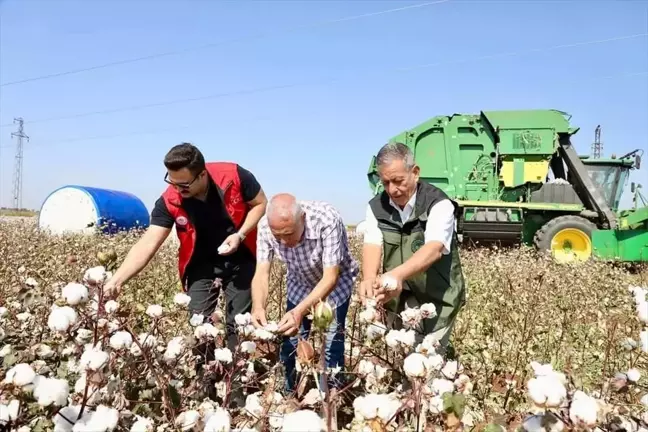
<point x="597" y="146"/>
<point x="17" y="180"/>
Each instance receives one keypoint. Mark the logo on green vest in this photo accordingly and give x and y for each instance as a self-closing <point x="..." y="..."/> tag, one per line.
<point x="416" y="245"/>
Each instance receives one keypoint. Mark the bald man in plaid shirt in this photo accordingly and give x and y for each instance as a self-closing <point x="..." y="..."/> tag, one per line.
<point x="310" y="237"/>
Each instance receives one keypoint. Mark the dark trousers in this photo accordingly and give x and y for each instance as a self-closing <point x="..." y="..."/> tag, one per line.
<point x="334" y="350"/>
<point x="204" y="293"/>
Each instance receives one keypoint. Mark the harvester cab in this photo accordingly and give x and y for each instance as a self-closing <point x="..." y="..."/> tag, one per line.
<point x="518" y="179"/>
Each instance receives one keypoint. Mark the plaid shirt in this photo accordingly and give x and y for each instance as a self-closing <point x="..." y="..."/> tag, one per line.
<point x="324" y="244"/>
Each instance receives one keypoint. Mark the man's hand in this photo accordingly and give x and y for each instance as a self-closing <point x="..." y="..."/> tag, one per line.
<point x="259" y="317"/>
<point x="230" y="245"/>
<point x="112" y="288"/>
<point x="367" y="289"/>
<point x="290" y="323"/>
<point x="389" y="287"/>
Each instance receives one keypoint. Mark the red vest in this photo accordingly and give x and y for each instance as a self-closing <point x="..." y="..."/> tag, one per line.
<point x="225" y="176"/>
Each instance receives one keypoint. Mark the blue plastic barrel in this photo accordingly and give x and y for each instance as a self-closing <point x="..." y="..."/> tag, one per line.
<point x="81" y="210"/>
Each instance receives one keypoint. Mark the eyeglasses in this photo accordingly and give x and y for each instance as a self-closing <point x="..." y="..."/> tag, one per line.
<point x="181" y="185"/>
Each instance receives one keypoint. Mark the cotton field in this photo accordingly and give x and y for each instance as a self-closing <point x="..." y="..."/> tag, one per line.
<point x="538" y="347"/>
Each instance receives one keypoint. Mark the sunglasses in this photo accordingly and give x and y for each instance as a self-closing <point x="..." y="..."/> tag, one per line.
<point x="183" y="186"/>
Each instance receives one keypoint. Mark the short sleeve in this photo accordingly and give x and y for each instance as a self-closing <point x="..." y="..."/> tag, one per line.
<point x="441" y="224"/>
<point x="331" y="235"/>
<point x="264" y="246"/>
<point x="372" y="234"/>
<point x="250" y="187"/>
<point x="160" y="215"/>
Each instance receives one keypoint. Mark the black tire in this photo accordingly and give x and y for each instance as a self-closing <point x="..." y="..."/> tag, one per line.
<point x="546" y="233"/>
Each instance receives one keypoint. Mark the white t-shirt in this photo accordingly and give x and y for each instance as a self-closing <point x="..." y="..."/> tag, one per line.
<point x="440" y="225"/>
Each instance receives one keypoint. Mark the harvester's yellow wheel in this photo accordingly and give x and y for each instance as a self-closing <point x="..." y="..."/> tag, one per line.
<point x="571" y="244"/>
<point x="567" y="238"/>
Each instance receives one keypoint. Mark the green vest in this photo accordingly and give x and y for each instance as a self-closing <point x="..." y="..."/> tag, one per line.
<point x="443" y="282"/>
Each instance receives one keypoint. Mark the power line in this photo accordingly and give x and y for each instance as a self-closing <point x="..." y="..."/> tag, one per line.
<point x="221" y="43"/>
<point x="331" y="80"/>
<point x="156" y="131"/>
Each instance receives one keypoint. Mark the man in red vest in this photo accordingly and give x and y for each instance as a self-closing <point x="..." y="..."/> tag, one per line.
<point x="215" y="208"/>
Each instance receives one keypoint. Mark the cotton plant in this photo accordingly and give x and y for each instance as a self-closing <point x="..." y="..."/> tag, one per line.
<point x="88" y="353"/>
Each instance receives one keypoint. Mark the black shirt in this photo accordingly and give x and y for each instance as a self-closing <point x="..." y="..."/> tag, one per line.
<point x="213" y="225"/>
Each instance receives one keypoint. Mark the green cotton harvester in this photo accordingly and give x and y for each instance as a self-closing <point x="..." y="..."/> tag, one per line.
<point x="518" y="179"/>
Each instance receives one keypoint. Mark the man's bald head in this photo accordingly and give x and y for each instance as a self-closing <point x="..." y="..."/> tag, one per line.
<point x="285" y="218"/>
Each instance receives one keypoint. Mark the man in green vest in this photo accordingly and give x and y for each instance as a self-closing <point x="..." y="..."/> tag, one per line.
<point x="412" y="224"/>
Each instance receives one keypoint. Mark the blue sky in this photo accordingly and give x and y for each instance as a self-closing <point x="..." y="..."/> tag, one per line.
<point x="349" y="85"/>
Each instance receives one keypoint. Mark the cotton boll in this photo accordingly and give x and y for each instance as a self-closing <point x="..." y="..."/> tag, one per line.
<point x="450" y="369"/>
<point x="61" y="318"/>
<point x="375" y="330"/>
<point x="75" y="293"/>
<point x="388" y="282"/>
<point x="4" y="414"/>
<point x="259" y="333"/>
<point x="546" y="370"/>
<point x="61" y="423"/>
<point x="142" y="424"/>
<point x="633" y="375"/>
<point x="111" y="307"/>
<point x="218" y="421"/>
<point x="428" y="310"/>
<point x="547" y="391"/>
<point x="400" y="338"/>
<point x="146" y="340"/>
<point x="196" y="320"/>
<point x="93" y="359"/>
<point x="414" y="365"/>
<point x="429" y="345"/>
<point x="303" y="421"/>
<point x="253" y="406"/>
<point x="20" y="375"/>
<point x="642" y="311"/>
<point x="101" y="420"/>
<point x="243" y="319"/>
<point x="223" y="355"/>
<point x="248" y="347"/>
<point x="411" y="317"/>
<point x="643" y="336"/>
<point x="121" y="340"/>
<point x="372" y="406"/>
<point x="5" y="351"/>
<point x="187" y="420"/>
<point x="639" y="293"/>
<point x="51" y="391"/>
<point x="441" y="386"/>
<point x="367" y="316"/>
<point x="543" y="423"/>
<point x="95" y="275"/>
<point x="365" y="367"/>
<point x="181" y="299"/>
<point x="205" y="332"/>
<point x="584" y="410"/>
<point x="174" y="348"/>
<point x="154" y="311"/>
<point x="435" y="405"/>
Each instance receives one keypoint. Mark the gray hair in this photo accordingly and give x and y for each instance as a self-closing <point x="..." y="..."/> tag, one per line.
<point x="294" y="210"/>
<point x="395" y="150"/>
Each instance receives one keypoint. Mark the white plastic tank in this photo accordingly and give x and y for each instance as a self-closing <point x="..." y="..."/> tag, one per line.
<point x="81" y="210"/>
<point x="360" y="229"/>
